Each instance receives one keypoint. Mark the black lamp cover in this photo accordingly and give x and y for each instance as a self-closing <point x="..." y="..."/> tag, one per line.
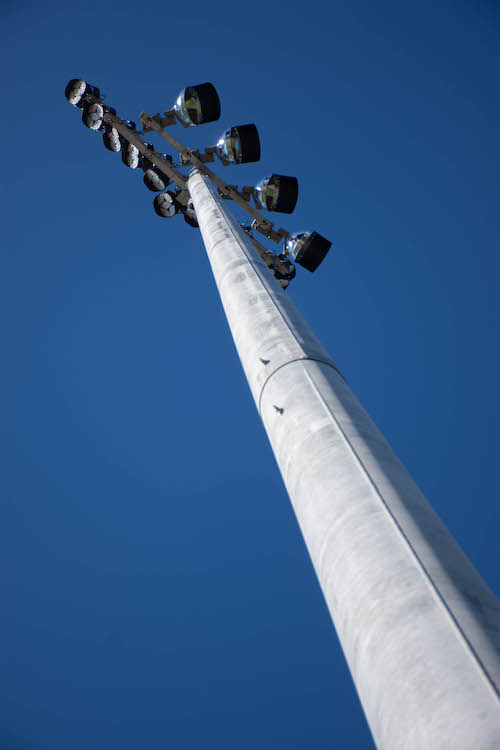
<point x="313" y="251"/>
<point x="240" y="144"/>
<point x="250" y="143"/>
<point x="277" y="193"/>
<point x="196" y="105"/>
<point x="209" y="101"/>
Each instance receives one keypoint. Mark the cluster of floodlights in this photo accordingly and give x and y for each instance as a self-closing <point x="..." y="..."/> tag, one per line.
<point x="239" y="144"/>
<point x="88" y="99"/>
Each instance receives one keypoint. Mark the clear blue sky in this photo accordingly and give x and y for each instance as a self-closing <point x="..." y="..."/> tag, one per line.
<point x="156" y="591"/>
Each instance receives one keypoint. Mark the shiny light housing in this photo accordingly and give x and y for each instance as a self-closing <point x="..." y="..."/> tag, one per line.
<point x="166" y="204"/>
<point x="196" y="105"/>
<point x="240" y="144"/>
<point x="92" y="116"/>
<point x="277" y="193"/>
<point x="111" y="139"/>
<point x="76" y="90"/>
<point x="308" y="249"/>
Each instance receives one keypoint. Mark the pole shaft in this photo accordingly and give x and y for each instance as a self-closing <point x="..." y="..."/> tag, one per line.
<point x="419" y="627"/>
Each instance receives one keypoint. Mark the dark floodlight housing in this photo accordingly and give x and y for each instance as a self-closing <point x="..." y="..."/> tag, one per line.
<point x="308" y="249"/>
<point x="190" y="215"/>
<point x="198" y="104"/>
<point x="111" y="139"/>
<point x="155" y="180"/>
<point x="239" y="145"/>
<point x="166" y="204"/>
<point x="76" y="91"/>
<point x="277" y="193"/>
<point x="92" y="116"/>
<point x="284" y="271"/>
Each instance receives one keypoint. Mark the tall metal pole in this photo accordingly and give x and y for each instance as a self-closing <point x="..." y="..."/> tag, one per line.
<point x="419" y="627"/>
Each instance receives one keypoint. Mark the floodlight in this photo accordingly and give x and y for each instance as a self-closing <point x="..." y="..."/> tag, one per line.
<point x="76" y="91"/>
<point x="308" y="249"/>
<point x="92" y="116"/>
<point x="111" y="139"/>
<point x="190" y="215"/>
<point x="240" y="144"/>
<point x="277" y="193"/>
<point x="166" y="204"/>
<point x="155" y="180"/>
<point x="198" y="104"/>
<point x="130" y="154"/>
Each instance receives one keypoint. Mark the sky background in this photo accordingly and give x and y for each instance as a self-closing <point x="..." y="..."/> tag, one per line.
<point x="156" y="591"/>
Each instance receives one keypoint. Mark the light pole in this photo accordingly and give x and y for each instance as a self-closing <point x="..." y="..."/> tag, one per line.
<point x="419" y="627"/>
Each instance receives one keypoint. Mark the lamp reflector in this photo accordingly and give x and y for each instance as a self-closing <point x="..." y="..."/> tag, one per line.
<point x="240" y="144"/>
<point x="196" y="105"/>
<point x="277" y="193"/>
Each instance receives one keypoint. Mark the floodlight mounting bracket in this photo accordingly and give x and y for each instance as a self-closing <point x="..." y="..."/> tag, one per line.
<point x="245" y="193"/>
<point x="206" y="157"/>
<point x="192" y="158"/>
<point x="169" y="118"/>
<point x="183" y="197"/>
<point x="282" y="234"/>
<point x="271" y="260"/>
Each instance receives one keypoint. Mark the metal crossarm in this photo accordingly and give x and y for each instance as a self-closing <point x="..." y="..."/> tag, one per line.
<point x="130" y="135"/>
<point x="264" y="226"/>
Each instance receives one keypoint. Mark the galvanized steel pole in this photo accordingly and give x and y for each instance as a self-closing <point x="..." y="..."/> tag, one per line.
<point x="419" y="627"/>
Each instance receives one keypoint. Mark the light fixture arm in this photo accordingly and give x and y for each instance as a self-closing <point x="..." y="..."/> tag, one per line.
<point x="130" y="135"/>
<point x="264" y="226"/>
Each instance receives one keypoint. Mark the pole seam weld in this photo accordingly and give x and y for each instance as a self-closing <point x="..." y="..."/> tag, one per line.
<point x="432" y="585"/>
<point x="290" y="362"/>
